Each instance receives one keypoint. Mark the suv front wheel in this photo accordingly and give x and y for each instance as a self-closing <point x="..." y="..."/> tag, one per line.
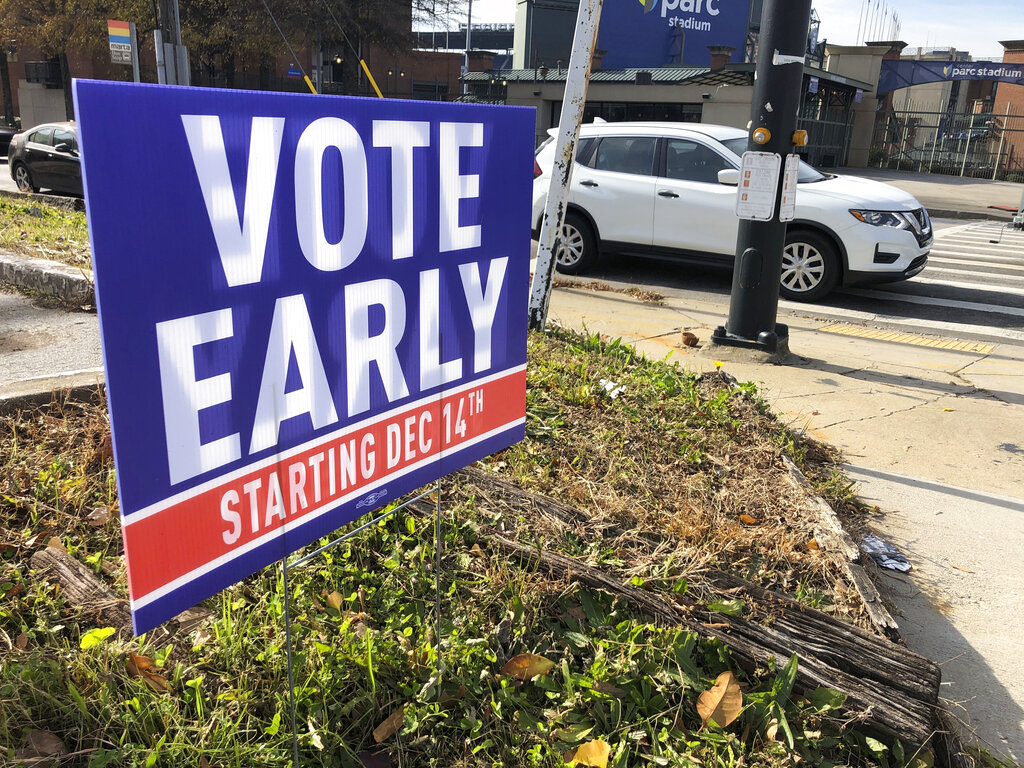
<point x="810" y="266"/>
<point x="577" y="247"/>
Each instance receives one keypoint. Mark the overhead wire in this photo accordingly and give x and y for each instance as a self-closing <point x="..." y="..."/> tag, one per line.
<point x="355" y="52"/>
<point x="290" y="49"/>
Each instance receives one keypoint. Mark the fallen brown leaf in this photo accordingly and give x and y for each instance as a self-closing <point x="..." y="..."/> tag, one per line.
<point x="527" y="666"/>
<point x="722" y="703"/>
<point x="335" y="601"/>
<point x="749" y="520"/>
<point x="40" y="744"/>
<point x="391" y="726"/>
<point x="143" y="668"/>
<point x="594" y="753"/>
<point x="33" y="541"/>
<point x="451" y="698"/>
<point x="98" y="517"/>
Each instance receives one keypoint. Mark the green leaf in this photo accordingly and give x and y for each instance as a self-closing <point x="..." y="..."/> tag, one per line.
<point x="784" y="724"/>
<point x="728" y="607"/>
<point x="783" y="685"/>
<point x="580" y="641"/>
<point x="875" y="745"/>
<point x="95" y="637"/>
<point x="824" y="699"/>
<point x="275" y="725"/>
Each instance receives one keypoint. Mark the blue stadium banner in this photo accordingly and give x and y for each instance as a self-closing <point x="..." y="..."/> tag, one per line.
<point x="309" y="306"/>
<point x="670" y="33"/>
<point x="903" y="74"/>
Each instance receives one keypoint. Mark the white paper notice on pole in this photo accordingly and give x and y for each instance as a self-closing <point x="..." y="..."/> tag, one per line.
<point x="787" y="209"/>
<point x="759" y="185"/>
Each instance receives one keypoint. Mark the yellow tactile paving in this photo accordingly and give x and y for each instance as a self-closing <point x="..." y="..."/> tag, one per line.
<point x="908" y="338"/>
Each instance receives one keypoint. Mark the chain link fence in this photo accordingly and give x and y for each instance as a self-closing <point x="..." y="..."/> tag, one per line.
<point x="986" y="145"/>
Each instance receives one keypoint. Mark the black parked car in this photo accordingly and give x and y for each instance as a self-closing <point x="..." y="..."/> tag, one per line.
<point x="46" y="157"/>
<point x="6" y="134"/>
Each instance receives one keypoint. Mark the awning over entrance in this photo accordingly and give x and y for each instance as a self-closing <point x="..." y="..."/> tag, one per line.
<point x="903" y="74"/>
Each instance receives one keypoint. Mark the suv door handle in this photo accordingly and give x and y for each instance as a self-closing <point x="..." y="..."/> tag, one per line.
<point x="666" y="193"/>
<point x="588" y="183"/>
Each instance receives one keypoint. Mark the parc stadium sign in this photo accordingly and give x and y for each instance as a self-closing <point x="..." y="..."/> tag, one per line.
<point x="309" y="306"/>
<point x="906" y="73"/>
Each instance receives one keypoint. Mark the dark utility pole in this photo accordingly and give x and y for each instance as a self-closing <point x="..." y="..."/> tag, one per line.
<point x="777" y="92"/>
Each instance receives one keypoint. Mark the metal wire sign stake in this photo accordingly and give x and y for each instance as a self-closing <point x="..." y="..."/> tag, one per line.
<point x="288" y="638"/>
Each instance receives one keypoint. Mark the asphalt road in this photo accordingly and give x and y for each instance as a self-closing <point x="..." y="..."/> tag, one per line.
<point x="36" y="341"/>
<point x="6" y="182"/>
<point x="971" y="289"/>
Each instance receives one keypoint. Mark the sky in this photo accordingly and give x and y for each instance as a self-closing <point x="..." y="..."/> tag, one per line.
<point x="976" y="26"/>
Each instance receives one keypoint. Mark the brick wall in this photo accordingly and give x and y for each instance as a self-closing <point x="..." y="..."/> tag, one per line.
<point x="1009" y="93"/>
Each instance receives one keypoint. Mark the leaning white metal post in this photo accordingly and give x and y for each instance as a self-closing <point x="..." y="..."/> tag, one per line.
<point x="1002" y="137"/>
<point x="573" y="102"/>
<point x="935" y="137"/>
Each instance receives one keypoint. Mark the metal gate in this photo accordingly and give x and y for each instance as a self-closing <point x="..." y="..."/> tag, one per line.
<point x="986" y="145"/>
<point x="827" y="116"/>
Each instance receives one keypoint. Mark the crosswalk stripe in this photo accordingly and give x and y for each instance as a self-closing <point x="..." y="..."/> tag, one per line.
<point x="987" y="257"/>
<point x="972" y="286"/>
<point x="992" y="309"/>
<point x="932" y="260"/>
<point x="1006" y="278"/>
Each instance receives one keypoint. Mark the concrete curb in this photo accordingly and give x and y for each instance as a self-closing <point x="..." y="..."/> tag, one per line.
<point x="51" y="278"/>
<point x="43" y="390"/>
<point x="944" y="213"/>
<point x="70" y="203"/>
<point x="832" y="534"/>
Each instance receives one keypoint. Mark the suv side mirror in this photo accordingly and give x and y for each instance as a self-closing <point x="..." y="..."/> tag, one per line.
<point x="729" y="176"/>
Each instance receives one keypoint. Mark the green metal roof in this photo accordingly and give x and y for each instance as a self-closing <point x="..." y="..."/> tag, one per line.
<point x="731" y="74"/>
<point x="658" y="75"/>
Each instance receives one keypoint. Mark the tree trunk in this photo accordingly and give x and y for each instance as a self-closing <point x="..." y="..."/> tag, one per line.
<point x="5" y="84"/>
<point x="266" y="71"/>
<point x="65" y="81"/>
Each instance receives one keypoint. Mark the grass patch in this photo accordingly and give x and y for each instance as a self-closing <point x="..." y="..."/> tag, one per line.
<point x="31" y="227"/>
<point x="641" y="443"/>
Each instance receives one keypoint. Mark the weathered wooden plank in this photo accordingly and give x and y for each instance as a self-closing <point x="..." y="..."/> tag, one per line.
<point x="83" y="590"/>
<point x="878" y="707"/>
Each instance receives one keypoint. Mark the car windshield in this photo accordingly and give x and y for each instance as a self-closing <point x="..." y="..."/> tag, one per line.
<point x="808" y="174"/>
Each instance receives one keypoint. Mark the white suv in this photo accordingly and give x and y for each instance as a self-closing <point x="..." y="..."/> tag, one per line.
<point x="669" y="190"/>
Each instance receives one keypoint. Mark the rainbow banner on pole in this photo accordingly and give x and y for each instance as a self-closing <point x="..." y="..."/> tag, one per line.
<point x="119" y="32"/>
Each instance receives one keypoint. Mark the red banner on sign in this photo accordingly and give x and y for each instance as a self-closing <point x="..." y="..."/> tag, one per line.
<point x="237" y="513"/>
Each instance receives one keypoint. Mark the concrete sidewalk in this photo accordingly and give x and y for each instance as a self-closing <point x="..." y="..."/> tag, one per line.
<point x="946" y="423"/>
<point x="950" y="196"/>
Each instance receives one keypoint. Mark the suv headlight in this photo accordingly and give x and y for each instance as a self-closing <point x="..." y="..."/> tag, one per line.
<point x="883" y="219"/>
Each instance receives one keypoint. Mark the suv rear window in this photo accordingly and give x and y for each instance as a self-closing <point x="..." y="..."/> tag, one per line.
<point x="583" y="147"/>
<point x="626" y="154"/>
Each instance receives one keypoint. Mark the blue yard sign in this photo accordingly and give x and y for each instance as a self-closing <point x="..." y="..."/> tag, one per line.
<point x="309" y="306"/>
